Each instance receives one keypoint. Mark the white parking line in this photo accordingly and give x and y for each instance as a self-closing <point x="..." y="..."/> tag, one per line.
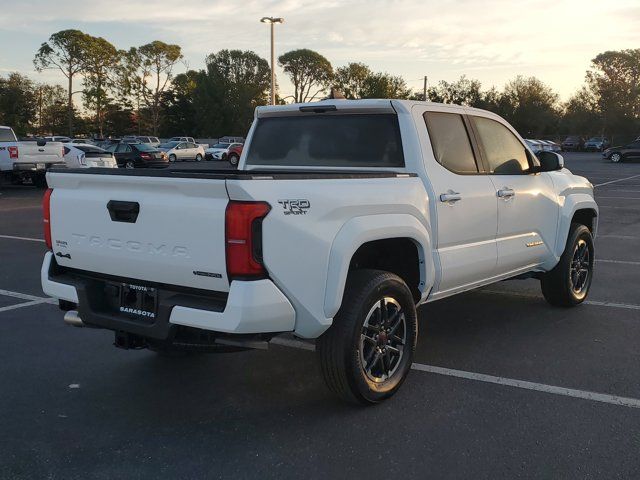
<point x="13" y="237"/>
<point x="622" y="237"/>
<point x="26" y="296"/>
<point x="481" y="377"/>
<point x="616" y="181"/>
<point x="622" y="262"/>
<point x="538" y="387"/>
<point x="617" y="198"/>
<point x="597" y="303"/>
<point x="23" y="304"/>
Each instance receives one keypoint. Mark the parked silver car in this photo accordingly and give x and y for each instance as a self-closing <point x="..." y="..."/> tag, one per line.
<point x="182" y="151"/>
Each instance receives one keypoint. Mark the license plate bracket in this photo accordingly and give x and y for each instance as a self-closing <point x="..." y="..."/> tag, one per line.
<point x="138" y="302"/>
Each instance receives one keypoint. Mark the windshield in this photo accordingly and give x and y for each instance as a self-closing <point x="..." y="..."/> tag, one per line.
<point x="221" y="145"/>
<point x="365" y="140"/>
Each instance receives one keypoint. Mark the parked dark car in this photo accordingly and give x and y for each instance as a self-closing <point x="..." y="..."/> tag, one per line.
<point x="573" y="143"/>
<point x="138" y="155"/>
<point x="620" y="154"/>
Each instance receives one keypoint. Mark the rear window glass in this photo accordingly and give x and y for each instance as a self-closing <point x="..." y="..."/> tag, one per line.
<point x="87" y="149"/>
<point x="6" y="135"/>
<point x="143" y="147"/>
<point x="450" y="141"/>
<point x="327" y="141"/>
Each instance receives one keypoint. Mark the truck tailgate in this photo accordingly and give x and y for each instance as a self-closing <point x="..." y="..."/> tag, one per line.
<point x="176" y="237"/>
<point x="30" y="152"/>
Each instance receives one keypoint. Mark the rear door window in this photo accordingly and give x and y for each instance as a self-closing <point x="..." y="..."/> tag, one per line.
<point x="505" y="154"/>
<point x="365" y="140"/>
<point x="6" y="135"/>
<point x="450" y="142"/>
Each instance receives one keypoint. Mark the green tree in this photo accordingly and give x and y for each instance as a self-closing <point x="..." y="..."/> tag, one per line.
<point x="51" y="109"/>
<point x="151" y="71"/>
<point x="310" y="73"/>
<point x="464" y="91"/>
<point x="227" y="93"/>
<point x="614" y="81"/>
<point x="530" y="106"/>
<point x="581" y="113"/>
<point x="383" y="85"/>
<point x="351" y="78"/>
<point x="17" y="102"/>
<point x="64" y="51"/>
<point x="99" y="65"/>
<point x="179" y="109"/>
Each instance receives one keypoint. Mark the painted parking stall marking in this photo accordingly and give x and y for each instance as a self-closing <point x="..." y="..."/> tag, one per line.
<point x="481" y="377"/>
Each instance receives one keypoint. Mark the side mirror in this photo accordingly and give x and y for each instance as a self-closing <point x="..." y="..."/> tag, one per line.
<point x="41" y="142"/>
<point x="550" y="161"/>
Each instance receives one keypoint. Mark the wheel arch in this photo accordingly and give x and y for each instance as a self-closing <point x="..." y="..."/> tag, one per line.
<point x="579" y="208"/>
<point x="359" y="244"/>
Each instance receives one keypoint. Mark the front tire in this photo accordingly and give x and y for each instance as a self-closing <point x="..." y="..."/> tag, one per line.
<point x="567" y="285"/>
<point x="129" y="164"/>
<point x="366" y="354"/>
<point x="172" y="158"/>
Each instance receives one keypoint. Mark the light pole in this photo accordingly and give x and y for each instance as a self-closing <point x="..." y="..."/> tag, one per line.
<point x="272" y="21"/>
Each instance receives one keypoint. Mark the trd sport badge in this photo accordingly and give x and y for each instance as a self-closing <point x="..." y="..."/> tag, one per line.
<point x="295" y="207"/>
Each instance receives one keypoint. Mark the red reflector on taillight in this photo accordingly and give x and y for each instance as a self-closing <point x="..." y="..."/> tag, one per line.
<point x="13" y="152"/>
<point x="146" y="156"/>
<point x="243" y="238"/>
<point x="46" y="216"/>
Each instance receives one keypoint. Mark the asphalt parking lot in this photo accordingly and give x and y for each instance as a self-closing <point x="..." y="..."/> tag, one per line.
<point x="503" y="385"/>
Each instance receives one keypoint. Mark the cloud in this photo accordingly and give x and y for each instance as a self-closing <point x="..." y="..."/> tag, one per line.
<point x="493" y="40"/>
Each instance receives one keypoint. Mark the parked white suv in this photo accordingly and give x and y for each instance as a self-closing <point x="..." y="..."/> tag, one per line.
<point x="342" y="217"/>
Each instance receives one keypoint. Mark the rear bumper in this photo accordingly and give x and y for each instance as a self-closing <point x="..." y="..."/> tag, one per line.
<point x="250" y="307"/>
<point x="36" y="167"/>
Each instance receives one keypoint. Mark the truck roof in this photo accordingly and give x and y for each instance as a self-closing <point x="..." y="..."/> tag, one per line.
<point x="371" y="105"/>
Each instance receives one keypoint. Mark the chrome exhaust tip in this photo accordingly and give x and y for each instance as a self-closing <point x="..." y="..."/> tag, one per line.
<point x="72" y="318"/>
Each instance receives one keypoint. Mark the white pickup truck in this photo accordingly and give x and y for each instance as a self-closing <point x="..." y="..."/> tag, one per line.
<point x="27" y="160"/>
<point x="342" y="218"/>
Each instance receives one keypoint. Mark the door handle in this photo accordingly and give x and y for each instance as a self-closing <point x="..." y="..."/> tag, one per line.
<point x="506" y="193"/>
<point x="450" y="197"/>
<point x="126" y="212"/>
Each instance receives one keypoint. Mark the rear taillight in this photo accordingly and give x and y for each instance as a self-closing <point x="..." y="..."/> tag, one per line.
<point x="46" y="216"/>
<point x="243" y="239"/>
<point x="146" y="156"/>
<point x="13" y="152"/>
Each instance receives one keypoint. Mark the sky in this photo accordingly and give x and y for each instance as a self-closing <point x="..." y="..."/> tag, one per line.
<point x="491" y="40"/>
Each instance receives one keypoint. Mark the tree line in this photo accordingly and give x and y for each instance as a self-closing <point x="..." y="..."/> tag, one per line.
<point x="137" y="91"/>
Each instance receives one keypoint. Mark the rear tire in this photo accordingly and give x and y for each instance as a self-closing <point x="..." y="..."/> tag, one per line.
<point x="615" y="157"/>
<point x="39" y="181"/>
<point x="233" y="159"/>
<point x="198" y="158"/>
<point x="365" y="358"/>
<point x="567" y="285"/>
